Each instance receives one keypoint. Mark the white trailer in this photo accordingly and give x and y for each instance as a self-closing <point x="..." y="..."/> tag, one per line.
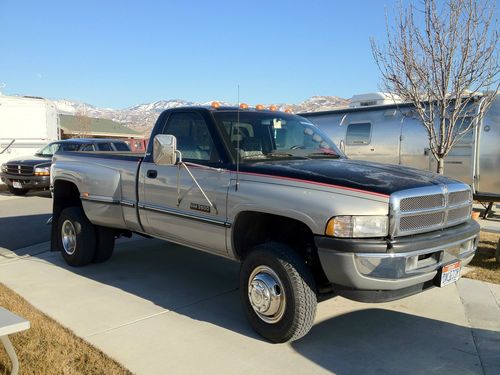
<point x="26" y="124"/>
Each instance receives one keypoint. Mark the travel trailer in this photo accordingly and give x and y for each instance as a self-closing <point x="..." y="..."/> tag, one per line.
<point x="376" y="128"/>
<point x="26" y="124"/>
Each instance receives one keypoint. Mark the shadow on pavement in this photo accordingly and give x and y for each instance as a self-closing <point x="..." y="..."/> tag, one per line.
<point x="204" y="287"/>
<point x="17" y="232"/>
<point x="389" y="342"/>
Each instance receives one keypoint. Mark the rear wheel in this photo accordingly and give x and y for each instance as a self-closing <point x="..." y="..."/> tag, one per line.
<point x="77" y="237"/>
<point x="17" y="191"/>
<point x="105" y="244"/>
<point x="277" y="291"/>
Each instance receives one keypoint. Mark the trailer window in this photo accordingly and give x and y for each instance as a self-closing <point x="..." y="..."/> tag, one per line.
<point x="358" y="134"/>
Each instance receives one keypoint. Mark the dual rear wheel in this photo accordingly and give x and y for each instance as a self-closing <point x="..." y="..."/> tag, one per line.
<point x="80" y="241"/>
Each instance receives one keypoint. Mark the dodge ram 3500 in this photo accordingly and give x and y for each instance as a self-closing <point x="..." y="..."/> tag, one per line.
<point x="270" y="190"/>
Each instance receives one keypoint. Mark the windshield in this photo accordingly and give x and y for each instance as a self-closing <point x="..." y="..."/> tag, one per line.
<point x="272" y="135"/>
<point x="52" y="148"/>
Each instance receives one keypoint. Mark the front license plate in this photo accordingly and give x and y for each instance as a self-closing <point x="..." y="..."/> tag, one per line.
<point x="450" y="273"/>
<point x="17" y="184"/>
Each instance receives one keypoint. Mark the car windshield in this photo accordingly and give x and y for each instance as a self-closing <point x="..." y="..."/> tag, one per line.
<point x="52" y="148"/>
<point x="267" y="135"/>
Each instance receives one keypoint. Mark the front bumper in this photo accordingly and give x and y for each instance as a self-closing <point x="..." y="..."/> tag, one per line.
<point x="394" y="268"/>
<point x="27" y="182"/>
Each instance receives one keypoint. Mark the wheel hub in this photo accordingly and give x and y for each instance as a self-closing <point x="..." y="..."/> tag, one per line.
<point x="68" y="235"/>
<point x="266" y="294"/>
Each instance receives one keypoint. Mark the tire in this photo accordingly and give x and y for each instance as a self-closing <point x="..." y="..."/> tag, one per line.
<point x="105" y="244"/>
<point x="295" y="316"/>
<point x="78" y="247"/>
<point x="18" y="192"/>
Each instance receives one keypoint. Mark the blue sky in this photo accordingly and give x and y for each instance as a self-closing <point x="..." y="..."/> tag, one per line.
<point x="121" y="53"/>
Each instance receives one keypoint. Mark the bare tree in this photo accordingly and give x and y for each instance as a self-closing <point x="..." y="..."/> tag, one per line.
<point x="84" y="122"/>
<point x="443" y="59"/>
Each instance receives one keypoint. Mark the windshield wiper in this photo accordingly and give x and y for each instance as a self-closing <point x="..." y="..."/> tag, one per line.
<point x="324" y="154"/>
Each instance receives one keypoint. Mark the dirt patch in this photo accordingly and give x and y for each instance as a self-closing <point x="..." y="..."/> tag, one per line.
<point x="484" y="266"/>
<point x="49" y="348"/>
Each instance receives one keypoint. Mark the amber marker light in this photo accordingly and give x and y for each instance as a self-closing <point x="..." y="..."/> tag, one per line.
<point x="273" y="108"/>
<point x="288" y="110"/>
<point x="259" y="107"/>
<point x="243" y="106"/>
<point x="215" y="105"/>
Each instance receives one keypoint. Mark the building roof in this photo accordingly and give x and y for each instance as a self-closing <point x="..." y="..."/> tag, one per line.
<point x="95" y="127"/>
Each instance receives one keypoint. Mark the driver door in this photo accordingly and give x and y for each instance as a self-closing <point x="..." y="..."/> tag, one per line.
<point x="174" y="206"/>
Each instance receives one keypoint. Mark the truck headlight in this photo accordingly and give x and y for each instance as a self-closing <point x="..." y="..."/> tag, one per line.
<point x="357" y="226"/>
<point x="4" y="168"/>
<point x="42" y="171"/>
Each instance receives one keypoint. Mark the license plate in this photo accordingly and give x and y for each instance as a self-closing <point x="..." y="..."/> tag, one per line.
<point x="450" y="273"/>
<point x="17" y="184"/>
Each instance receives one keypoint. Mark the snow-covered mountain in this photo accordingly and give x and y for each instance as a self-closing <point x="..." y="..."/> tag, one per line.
<point x="143" y="116"/>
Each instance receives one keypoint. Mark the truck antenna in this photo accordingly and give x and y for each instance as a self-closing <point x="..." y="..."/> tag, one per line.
<point x="238" y="142"/>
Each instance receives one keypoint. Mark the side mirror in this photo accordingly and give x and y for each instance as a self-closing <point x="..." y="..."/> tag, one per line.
<point x="164" y="149"/>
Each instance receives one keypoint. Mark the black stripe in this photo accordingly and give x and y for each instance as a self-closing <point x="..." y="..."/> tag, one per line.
<point x="185" y="215"/>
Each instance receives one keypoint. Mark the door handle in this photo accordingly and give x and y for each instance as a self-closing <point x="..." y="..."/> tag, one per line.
<point x="152" y="173"/>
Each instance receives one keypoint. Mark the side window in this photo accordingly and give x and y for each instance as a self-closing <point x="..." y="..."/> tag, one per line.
<point x="87" y="148"/>
<point x="193" y="137"/>
<point x="104" y="147"/>
<point x="358" y="134"/>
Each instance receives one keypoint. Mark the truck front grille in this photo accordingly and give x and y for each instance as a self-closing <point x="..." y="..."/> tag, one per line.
<point x="21" y="170"/>
<point x="429" y="208"/>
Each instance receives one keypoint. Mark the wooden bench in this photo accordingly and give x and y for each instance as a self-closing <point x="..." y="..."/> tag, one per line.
<point x="11" y="323"/>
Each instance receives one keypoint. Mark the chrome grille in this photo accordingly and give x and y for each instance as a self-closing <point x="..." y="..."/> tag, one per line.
<point x="422" y="203"/>
<point x="456" y="214"/>
<point x="421" y="221"/>
<point x="21" y="170"/>
<point x="429" y="208"/>
<point x="458" y="197"/>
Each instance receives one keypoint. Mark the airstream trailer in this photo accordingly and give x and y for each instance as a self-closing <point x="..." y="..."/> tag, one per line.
<point x="371" y="129"/>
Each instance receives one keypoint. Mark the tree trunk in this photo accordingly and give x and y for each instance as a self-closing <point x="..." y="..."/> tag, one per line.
<point x="440" y="166"/>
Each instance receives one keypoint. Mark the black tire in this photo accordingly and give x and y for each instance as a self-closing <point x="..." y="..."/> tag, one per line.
<point x="85" y="244"/>
<point x="18" y="192"/>
<point x="299" y="288"/>
<point x="105" y="244"/>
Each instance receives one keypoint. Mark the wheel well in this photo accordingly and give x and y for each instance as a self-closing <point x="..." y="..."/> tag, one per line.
<point x="253" y="228"/>
<point x="65" y="194"/>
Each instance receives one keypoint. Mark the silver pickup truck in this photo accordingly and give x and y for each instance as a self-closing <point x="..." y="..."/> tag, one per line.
<point x="270" y="190"/>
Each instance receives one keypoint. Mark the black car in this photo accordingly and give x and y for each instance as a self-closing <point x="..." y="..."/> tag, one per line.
<point x="33" y="172"/>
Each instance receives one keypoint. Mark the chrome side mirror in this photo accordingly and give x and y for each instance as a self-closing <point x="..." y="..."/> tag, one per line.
<point x="164" y="149"/>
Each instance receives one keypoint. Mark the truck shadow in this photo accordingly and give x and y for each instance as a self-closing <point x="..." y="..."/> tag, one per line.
<point x="380" y="341"/>
<point x="204" y="287"/>
<point x="18" y="232"/>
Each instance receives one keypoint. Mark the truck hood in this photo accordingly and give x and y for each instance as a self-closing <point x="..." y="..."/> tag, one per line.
<point x="31" y="160"/>
<point x="371" y="177"/>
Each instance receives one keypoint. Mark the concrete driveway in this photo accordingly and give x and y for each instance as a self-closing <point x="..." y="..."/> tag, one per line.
<point x="161" y="308"/>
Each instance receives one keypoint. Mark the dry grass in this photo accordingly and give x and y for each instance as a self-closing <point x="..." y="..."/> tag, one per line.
<point x="49" y="348"/>
<point x="484" y="266"/>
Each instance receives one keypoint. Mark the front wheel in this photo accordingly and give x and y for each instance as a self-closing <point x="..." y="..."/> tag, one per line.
<point x="77" y="237"/>
<point x="277" y="291"/>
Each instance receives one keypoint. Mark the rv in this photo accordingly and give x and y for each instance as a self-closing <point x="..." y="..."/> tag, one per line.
<point x="26" y="124"/>
<point x="371" y="129"/>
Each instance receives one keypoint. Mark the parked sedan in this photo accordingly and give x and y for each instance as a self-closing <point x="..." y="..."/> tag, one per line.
<point x="33" y="172"/>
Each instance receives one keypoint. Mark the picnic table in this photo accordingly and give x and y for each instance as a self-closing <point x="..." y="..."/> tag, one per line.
<point x="11" y="323"/>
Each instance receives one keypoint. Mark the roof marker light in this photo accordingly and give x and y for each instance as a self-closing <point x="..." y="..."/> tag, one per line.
<point x="243" y="106"/>
<point x="215" y="105"/>
<point x="259" y="107"/>
<point x="288" y="110"/>
<point x="273" y="108"/>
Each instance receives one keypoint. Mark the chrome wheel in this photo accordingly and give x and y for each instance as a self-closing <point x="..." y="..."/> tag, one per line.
<point x="266" y="294"/>
<point x="68" y="235"/>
